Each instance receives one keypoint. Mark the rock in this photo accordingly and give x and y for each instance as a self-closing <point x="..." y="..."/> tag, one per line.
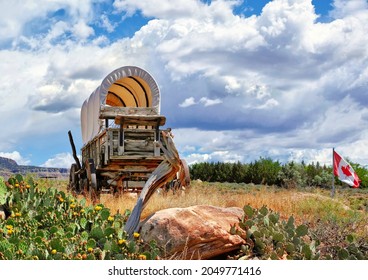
<point x="197" y="232"/>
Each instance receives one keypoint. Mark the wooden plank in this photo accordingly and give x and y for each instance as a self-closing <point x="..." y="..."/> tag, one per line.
<point x="139" y="133"/>
<point x="137" y="159"/>
<point x="119" y="164"/>
<point x="154" y="121"/>
<point x="139" y="146"/>
<point x="129" y="168"/>
<point x="143" y="154"/>
<point x="111" y="112"/>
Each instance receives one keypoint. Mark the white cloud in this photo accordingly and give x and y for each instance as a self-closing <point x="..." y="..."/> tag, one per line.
<point x="17" y="16"/>
<point x="270" y="103"/>
<point x="204" y="100"/>
<point x="282" y="83"/>
<point x="209" y="102"/>
<point x="290" y="73"/>
<point x="197" y="158"/>
<point x="82" y="31"/>
<point x="166" y="8"/>
<point x="232" y="84"/>
<point x="62" y="160"/>
<point x="15" y="155"/>
<point x="346" y="8"/>
<point x="188" y="102"/>
<point x="107" y="24"/>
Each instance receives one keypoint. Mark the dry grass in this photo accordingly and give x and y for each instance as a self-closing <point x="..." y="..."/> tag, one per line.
<point x="306" y="206"/>
<point x="280" y="200"/>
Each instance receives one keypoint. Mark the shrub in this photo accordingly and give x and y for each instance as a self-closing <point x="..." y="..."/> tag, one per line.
<point x="290" y="175"/>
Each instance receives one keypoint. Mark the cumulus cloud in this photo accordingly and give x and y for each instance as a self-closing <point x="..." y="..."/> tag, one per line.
<point x="166" y="8"/>
<point x="209" y="102"/>
<point x="187" y="102"/>
<point x="297" y="65"/>
<point x="347" y="8"/>
<point x="62" y="160"/>
<point x="107" y="24"/>
<point x="81" y="30"/>
<point x="15" y="155"/>
<point x="279" y="83"/>
<point x="204" y="100"/>
<point x="18" y="18"/>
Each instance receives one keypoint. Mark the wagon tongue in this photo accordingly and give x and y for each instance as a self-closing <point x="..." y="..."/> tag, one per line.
<point x="163" y="174"/>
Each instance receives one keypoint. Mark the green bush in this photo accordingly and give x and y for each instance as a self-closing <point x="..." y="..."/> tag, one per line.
<point x="290" y="175"/>
<point x="269" y="172"/>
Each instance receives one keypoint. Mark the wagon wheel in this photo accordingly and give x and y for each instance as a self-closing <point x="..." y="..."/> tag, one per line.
<point x="73" y="186"/>
<point x="92" y="181"/>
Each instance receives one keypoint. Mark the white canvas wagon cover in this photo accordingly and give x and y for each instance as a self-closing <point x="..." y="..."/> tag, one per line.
<point x="128" y="86"/>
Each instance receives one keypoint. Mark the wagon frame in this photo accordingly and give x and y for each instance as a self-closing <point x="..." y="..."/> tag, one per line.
<point x="122" y="131"/>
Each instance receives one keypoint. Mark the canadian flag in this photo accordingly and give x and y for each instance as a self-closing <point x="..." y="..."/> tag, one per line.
<point x="344" y="171"/>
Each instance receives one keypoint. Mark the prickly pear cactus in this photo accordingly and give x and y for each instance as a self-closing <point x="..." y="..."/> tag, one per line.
<point x="2" y="191"/>
<point x="46" y="223"/>
<point x="268" y="237"/>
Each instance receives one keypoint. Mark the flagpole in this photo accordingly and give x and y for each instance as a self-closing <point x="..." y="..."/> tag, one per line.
<point x="333" y="175"/>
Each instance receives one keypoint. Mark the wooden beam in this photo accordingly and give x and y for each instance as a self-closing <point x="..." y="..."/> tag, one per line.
<point x="107" y="112"/>
<point x="154" y="121"/>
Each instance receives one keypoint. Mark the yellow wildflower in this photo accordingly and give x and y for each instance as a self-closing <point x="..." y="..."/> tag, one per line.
<point x="121" y="241"/>
<point x="136" y="235"/>
<point x="98" y="208"/>
<point x="9" y="227"/>
<point x="53" y="252"/>
<point x="72" y="206"/>
<point x="10" y="232"/>
<point x="142" y="257"/>
<point x="110" y="219"/>
<point x="90" y="249"/>
<point x="18" y="214"/>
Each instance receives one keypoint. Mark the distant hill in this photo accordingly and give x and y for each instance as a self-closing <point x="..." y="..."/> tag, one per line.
<point x="8" y="167"/>
<point x="7" y="163"/>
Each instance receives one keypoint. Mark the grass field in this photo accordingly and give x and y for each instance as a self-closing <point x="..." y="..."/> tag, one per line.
<point x="307" y="205"/>
<point x="339" y="224"/>
<point x="331" y="220"/>
<point x="313" y="206"/>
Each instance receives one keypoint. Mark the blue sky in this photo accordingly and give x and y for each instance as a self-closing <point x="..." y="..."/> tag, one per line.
<point x="285" y="79"/>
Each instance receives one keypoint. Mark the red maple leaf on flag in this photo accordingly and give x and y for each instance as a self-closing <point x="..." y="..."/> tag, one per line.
<point x="346" y="170"/>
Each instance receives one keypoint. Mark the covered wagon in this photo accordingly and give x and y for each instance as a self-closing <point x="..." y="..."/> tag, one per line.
<point x="122" y="136"/>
